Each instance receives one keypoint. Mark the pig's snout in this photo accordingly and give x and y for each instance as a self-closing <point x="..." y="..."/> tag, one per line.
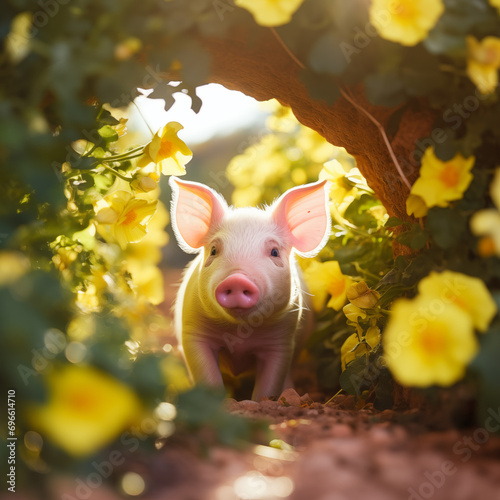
<point x="237" y="291"/>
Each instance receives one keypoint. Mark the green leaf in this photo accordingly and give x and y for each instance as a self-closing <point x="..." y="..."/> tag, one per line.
<point x="487" y="366"/>
<point x="326" y="55"/>
<point x="106" y="118"/>
<point x="108" y="133"/>
<point x="394" y="222"/>
<point x="385" y="89"/>
<point x="353" y="379"/>
<point x="415" y="238"/>
<point x="320" y="87"/>
<point x="446" y="226"/>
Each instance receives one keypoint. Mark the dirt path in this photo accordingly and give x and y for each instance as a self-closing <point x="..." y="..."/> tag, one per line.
<point x="331" y="453"/>
<point x="337" y="454"/>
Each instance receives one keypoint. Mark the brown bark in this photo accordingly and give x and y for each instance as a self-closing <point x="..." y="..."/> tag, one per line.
<point x="263" y="69"/>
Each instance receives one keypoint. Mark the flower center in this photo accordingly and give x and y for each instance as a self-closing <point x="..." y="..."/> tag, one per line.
<point x="432" y="341"/>
<point x="130" y="218"/>
<point x="449" y="175"/>
<point x="486" y="246"/>
<point x="167" y="149"/>
<point x="336" y="287"/>
<point x="82" y="401"/>
<point x="488" y="56"/>
<point x="402" y="9"/>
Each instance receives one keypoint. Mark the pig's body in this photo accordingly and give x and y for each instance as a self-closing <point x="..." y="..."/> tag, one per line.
<point x="242" y="304"/>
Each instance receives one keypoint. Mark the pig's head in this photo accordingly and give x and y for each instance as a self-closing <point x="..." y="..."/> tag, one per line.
<point x="247" y="261"/>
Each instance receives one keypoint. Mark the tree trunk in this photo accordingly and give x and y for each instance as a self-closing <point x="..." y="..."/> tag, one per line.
<point x="264" y="69"/>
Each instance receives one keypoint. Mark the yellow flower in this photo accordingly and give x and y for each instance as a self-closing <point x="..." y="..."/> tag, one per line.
<point x="87" y="409"/>
<point x="148" y="250"/>
<point x="405" y="21"/>
<point x="341" y="193"/>
<point x="442" y="181"/>
<point x="167" y="151"/>
<point x="495" y="3"/>
<point x="270" y="12"/>
<point x="126" y="217"/>
<point x="416" y="206"/>
<point x="326" y="278"/>
<point x="13" y="265"/>
<point x="17" y="43"/>
<point x="426" y="345"/>
<point x="147" y="281"/>
<point x="361" y="296"/>
<point x="483" y="62"/>
<point x="486" y="223"/>
<point x="468" y="293"/>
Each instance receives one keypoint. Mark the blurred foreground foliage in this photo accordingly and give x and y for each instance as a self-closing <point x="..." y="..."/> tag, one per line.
<point x="81" y="223"/>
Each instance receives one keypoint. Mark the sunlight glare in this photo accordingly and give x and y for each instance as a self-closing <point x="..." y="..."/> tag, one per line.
<point x="223" y="112"/>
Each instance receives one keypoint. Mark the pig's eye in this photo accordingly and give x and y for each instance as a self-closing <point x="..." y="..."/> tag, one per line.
<point x="275" y="252"/>
<point x="213" y="251"/>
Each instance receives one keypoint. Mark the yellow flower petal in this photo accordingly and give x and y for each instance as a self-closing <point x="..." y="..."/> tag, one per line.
<point x="468" y="293"/>
<point x="426" y="343"/>
<point x="270" y="12"/>
<point x="323" y="279"/>
<point x="87" y="409"/>
<point x="441" y="182"/>
<point x="125" y="217"/>
<point x="405" y="21"/>
<point x="416" y="206"/>
<point x="167" y="151"/>
<point x="483" y="62"/>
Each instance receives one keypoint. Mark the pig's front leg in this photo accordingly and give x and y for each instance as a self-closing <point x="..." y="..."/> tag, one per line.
<point x="203" y="362"/>
<point x="272" y="369"/>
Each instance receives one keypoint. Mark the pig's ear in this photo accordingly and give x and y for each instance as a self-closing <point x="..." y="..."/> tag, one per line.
<point x="195" y="210"/>
<point x="303" y="212"/>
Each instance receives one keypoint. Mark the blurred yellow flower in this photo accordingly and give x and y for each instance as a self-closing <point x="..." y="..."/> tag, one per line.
<point x="18" y="41"/>
<point x="175" y="375"/>
<point x="148" y="250"/>
<point x="147" y="281"/>
<point x="468" y="293"/>
<point x="270" y="12"/>
<point x="13" y="265"/>
<point x="496" y="4"/>
<point x="416" y="206"/>
<point x="442" y="181"/>
<point x="86" y="410"/>
<point x="486" y="222"/>
<point x="126" y="217"/>
<point x="405" y="21"/>
<point x="483" y="62"/>
<point x="426" y="345"/>
<point x="169" y="153"/>
<point x="126" y="49"/>
<point x="326" y="278"/>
